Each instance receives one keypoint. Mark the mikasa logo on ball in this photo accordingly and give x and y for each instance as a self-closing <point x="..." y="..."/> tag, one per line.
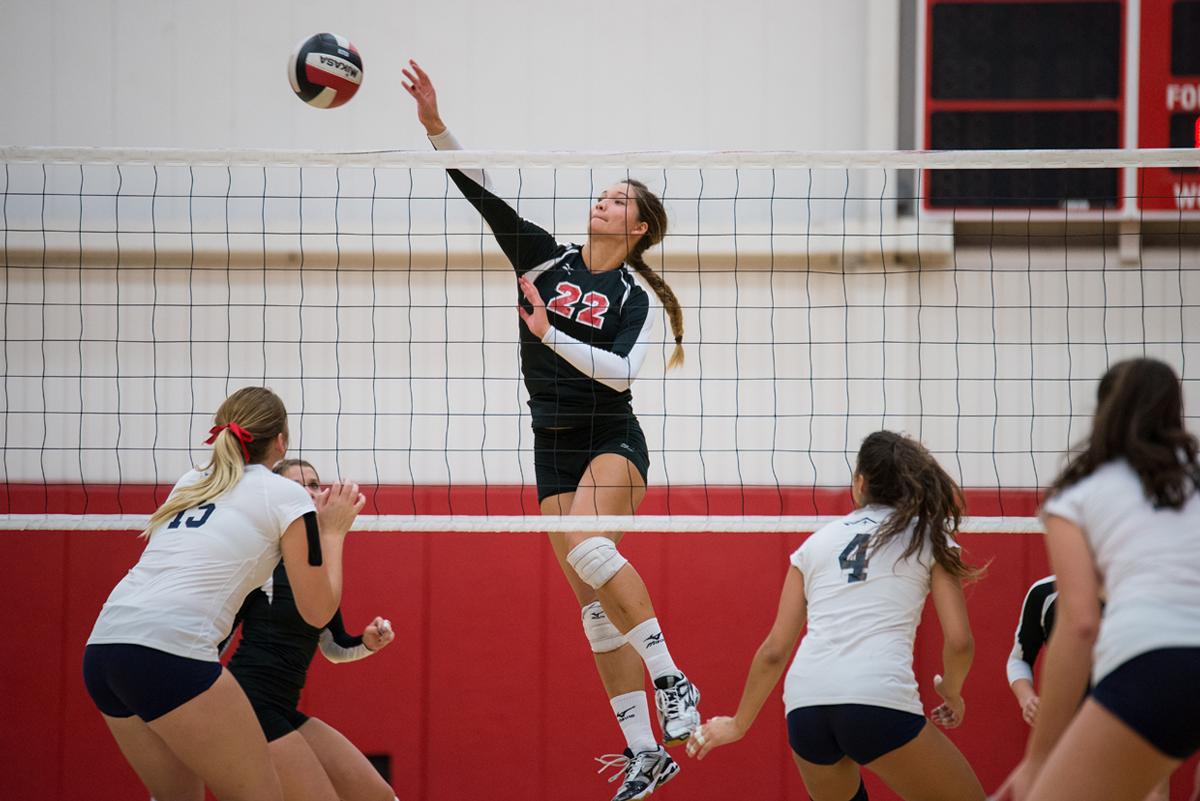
<point x="335" y="63"/>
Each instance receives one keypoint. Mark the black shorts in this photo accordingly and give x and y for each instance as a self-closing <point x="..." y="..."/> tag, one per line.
<point x="126" y="680"/>
<point x="1155" y="695"/>
<point x="277" y="720"/>
<point x="561" y="455"/>
<point x="824" y="734"/>
<point x="274" y="697"/>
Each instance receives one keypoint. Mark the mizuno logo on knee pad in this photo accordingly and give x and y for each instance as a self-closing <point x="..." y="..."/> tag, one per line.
<point x="602" y="635"/>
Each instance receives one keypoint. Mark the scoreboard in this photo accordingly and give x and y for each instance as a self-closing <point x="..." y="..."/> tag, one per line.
<point x="1048" y="74"/>
<point x="1169" y="101"/>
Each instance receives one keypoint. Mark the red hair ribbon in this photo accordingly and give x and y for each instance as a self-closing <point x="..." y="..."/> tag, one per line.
<point x="242" y="434"/>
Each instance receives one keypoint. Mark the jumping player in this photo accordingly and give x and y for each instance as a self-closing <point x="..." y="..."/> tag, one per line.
<point x="151" y="663"/>
<point x="315" y="761"/>
<point x="1123" y="523"/>
<point x="587" y="319"/>
<point x="860" y="584"/>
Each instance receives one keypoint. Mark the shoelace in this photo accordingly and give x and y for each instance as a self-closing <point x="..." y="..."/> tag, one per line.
<point x="673" y="700"/>
<point x="625" y="765"/>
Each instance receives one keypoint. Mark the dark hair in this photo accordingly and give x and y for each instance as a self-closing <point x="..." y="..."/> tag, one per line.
<point x="899" y="472"/>
<point x="1139" y="418"/>
<point x="652" y="212"/>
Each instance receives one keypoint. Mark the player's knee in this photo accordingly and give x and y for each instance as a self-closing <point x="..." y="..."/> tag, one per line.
<point x="596" y="560"/>
<point x="601" y="633"/>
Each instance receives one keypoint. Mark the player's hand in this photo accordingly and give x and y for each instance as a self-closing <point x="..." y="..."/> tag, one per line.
<point x="1029" y="709"/>
<point x="338" y="505"/>
<point x="421" y="88"/>
<point x="718" y="731"/>
<point x="950" y="713"/>
<point x="378" y="634"/>
<point x="535" y="320"/>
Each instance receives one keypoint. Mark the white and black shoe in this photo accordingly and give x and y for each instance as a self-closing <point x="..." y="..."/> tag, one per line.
<point x="678" y="702"/>
<point x="642" y="772"/>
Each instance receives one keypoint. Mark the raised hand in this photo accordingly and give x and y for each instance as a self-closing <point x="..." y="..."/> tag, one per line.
<point x="418" y="85"/>
<point x="338" y="505"/>
<point x="536" y="320"/>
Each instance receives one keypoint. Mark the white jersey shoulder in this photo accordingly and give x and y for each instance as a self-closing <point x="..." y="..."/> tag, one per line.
<point x="182" y="595"/>
<point x="864" y="603"/>
<point x="1149" y="558"/>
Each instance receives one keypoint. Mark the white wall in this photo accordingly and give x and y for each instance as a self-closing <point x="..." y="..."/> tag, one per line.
<point x="192" y="281"/>
<point x="522" y="74"/>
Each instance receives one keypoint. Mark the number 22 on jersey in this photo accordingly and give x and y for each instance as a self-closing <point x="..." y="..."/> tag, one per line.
<point x="854" y="557"/>
<point x="569" y="295"/>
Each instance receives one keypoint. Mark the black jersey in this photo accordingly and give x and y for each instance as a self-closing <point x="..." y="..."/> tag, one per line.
<point x="1033" y="630"/>
<point x="600" y="323"/>
<point x="277" y="645"/>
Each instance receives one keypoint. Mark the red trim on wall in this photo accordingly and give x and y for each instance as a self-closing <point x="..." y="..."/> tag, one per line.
<point x="509" y="499"/>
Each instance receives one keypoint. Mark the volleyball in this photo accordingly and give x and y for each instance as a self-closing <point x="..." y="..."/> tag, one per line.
<point x="325" y="70"/>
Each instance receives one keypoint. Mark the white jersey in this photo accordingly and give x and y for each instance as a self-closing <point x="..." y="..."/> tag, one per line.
<point x="1149" y="562"/>
<point x="864" y="604"/>
<point x="182" y="595"/>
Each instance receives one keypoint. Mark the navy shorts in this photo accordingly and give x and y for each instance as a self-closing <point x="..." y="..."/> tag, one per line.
<point x="824" y="734"/>
<point x="126" y="680"/>
<point x="561" y="455"/>
<point x="1155" y="695"/>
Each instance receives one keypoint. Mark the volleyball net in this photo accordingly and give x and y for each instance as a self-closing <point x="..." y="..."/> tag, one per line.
<point x="971" y="299"/>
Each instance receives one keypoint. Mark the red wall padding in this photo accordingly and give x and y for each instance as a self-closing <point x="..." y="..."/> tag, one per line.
<point x="489" y="690"/>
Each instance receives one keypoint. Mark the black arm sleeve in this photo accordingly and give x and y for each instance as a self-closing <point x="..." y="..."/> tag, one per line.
<point x="526" y="245"/>
<point x="337" y="628"/>
<point x="313" y="531"/>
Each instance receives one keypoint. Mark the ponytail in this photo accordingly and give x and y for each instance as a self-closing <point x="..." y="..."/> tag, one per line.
<point x="652" y="212"/>
<point x="669" y="301"/>
<point x="899" y="472"/>
<point x="247" y="422"/>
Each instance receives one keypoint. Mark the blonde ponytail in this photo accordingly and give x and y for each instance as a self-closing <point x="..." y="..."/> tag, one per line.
<point x="246" y="424"/>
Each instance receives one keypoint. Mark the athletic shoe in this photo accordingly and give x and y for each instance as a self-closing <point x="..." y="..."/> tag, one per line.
<point x="677" y="700"/>
<point x="643" y="772"/>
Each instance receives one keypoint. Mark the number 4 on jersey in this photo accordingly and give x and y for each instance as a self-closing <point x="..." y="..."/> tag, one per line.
<point x="856" y="563"/>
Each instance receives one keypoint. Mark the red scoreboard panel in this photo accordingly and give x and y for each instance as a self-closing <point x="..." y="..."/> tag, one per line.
<point x="1169" y="100"/>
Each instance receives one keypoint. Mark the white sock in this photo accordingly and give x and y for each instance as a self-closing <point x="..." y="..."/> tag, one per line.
<point x="647" y="639"/>
<point x="633" y="716"/>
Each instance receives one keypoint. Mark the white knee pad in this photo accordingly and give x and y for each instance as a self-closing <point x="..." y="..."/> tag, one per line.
<point x="596" y="560"/>
<point x="600" y="631"/>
